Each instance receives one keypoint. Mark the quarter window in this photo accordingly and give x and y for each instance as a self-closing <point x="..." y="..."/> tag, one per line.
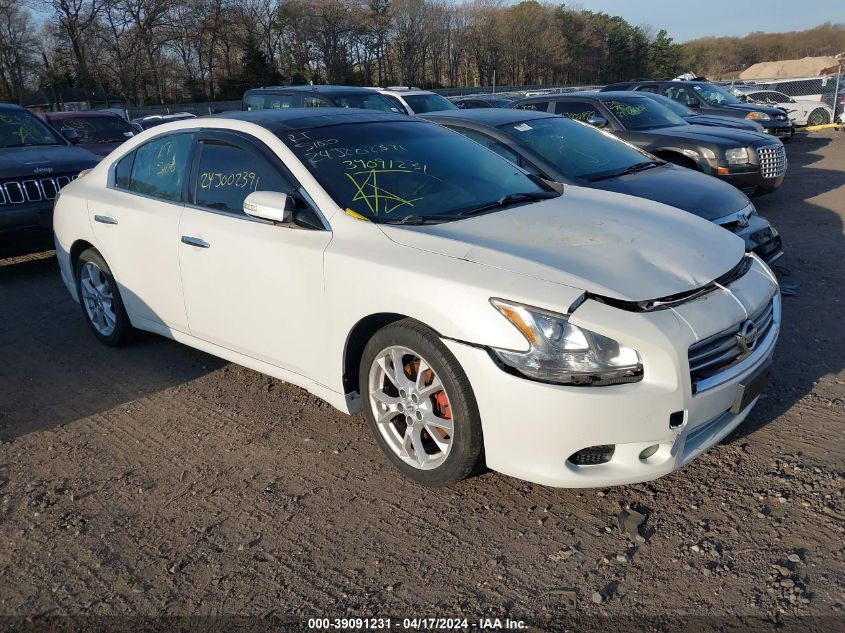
<point x="227" y="174"/>
<point x="123" y="171"/>
<point x="159" y="167"/>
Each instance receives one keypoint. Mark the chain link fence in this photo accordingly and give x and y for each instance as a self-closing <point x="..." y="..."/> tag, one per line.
<point x="808" y="100"/>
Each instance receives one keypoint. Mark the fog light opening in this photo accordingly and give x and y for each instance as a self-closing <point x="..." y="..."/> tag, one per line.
<point x="593" y="455"/>
<point x="677" y="419"/>
<point x="649" y="451"/>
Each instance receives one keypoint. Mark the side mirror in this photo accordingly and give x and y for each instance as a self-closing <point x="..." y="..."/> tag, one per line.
<point x="597" y="121"/>
<point x="270" y="205"/>
<point x="70" y="134"/>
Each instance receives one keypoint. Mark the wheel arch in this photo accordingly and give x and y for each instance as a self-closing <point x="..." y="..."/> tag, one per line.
<point x="357" y="340"/>
<point x="676" y="157"/>
<point x="76" y="249"/>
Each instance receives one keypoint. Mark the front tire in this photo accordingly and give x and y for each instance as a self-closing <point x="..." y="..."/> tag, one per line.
<point x="100" y="300"/>
<point x="420" y="406"/>
<point x="818" y="116"/>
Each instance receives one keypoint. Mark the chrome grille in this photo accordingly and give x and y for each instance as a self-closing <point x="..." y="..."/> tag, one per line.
<point x="35" y="190"/>
<point x="722" y="350"/>
<point x="772" y="160"/>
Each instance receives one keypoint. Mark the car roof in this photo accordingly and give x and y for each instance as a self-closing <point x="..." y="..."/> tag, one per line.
<point x="86" y="114"/>
<point x="321" y="89"/>
<point x="306" y="118"/>
<point x="11" y="106"/>
<point x="488" y="116"/>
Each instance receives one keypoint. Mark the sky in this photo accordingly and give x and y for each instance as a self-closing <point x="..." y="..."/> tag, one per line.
<point x="689" y="19"/>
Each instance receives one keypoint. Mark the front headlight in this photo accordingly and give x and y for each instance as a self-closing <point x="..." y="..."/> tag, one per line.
<point x="564" y="353"/>
<point x="757" y="116"/>
<point x="736" y="156"/>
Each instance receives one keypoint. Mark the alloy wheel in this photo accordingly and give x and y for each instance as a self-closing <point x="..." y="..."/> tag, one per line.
<point x="97" y="298"/>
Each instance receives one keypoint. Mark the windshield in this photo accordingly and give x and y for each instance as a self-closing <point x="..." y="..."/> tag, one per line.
<point x="421" y="104"/>
<point x="642" y="113"/>
<point x="366" y="101"/>
<point x="19" y="128"/>
<point x="388" y="171"/>
<point x="99" y="129"/>
<point x="678" y="108"/>
<point x="715" y="95"/>
<point x="576" y="149"/>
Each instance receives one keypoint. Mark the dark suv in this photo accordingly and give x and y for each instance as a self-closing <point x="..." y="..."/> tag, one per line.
<point x="754" y="163"/>
<point x="280" y="97"/>
<point x="707" y="98"/>
<point x="35" y="163"/>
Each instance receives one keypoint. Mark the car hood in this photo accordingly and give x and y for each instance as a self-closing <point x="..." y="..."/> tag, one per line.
<point x="751" y="107"/>
<point x="710" y="134"/>
<point x="686" y="189"/>
<point x="17" y="162"/>
<point x="602" y="242"/>
<point x="724" y="121"/>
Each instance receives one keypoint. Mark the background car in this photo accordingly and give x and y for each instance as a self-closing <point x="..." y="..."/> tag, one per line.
<point x="799" y="111"/>
<point x="482" y="101"/>
<point x="694" y="117"/>
<point x="99" y="132"/>
<point x="709" y="98"/>
<point x="35" y="163"/>
<point x="385" y="263"/>
<point x="566" y="151"/>
<point x="754" y="163"/>
<point x="151" y="120"/>
<point x="317" y="96"/>
<point x="417" y="101"/>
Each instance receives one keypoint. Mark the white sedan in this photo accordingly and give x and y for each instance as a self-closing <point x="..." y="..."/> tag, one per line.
<point x="799" y="111"/>
<point x="475" y="314"/>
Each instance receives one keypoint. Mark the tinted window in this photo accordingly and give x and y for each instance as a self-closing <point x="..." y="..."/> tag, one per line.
<point x="576" y="150"/>
<point x="99" y="129"/>
<point x="642" y="113"/>
<point x="539" y="106"/>
<point x="19" y="128"/>
<point x="681" y="95"/>
<point x="489" y="143"/>
<point x="123" y="171"/>
<point x="316" y="102"/>
<point x="367" y="101"/>
<point x="652" y="89"/>
<point x="429" y="103"/>
<point x="160" y="165"/>
<point x="578" y="110"/>
<point x="227" y="174"/>
<point x="388" y="171"/>
<point x="271" y="102"/>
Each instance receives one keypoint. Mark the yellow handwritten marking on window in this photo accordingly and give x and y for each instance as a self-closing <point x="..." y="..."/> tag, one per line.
<point x="625" y="109"/>
<point x="389" y="164"/>
<point x="235" y="179"/>
<point x="378" y="198"/>
<point x="26" y="129"/>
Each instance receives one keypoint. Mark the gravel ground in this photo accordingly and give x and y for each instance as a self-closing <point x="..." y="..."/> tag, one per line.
<point x="157" y="480"/>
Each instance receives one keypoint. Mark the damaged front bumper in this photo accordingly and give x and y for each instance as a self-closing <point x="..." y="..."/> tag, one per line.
<point x="532" y="429"/>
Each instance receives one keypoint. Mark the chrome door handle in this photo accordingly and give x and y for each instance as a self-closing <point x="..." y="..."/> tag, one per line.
<point x="195" y="241"/>
<point x="104" y="219"/>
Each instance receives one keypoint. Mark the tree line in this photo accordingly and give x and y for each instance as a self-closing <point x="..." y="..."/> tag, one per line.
<point x="126" y="52"/>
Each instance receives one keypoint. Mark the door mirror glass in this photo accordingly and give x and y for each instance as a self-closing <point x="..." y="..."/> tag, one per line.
<point x="270" y="205"/>
<point x="597" y="121"/>
<point x="70" y="134"/>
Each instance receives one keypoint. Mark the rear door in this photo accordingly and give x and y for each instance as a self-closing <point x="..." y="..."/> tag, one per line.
<point x="136" y="221"/>
<point x="250" y="285"/>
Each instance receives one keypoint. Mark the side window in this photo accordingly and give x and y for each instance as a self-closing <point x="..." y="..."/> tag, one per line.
<point x="227" y="174"/>
<point x="578" y="110"/>
<point x="681" y="95"/>
<point x="539" y="106"/>
<point x="490" y="143"/>
<point x="123" y="171"/>
<point x="160" y="166"/>
<point x="653" y="89"/>
<point x="270" y="102"/>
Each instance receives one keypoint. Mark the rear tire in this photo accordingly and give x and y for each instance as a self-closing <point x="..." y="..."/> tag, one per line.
<point x="420" y="406"/>
<point x="819" y="116"/>
<point x="99" y="298"/>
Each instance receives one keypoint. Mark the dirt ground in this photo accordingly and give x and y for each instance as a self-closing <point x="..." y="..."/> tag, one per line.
<point x="157" y="480"/>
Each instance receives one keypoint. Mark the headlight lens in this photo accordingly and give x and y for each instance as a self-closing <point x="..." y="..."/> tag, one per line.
<point x="736" y="156"/>
<point x="757" y="116"/>
<point x="564" y="353"/>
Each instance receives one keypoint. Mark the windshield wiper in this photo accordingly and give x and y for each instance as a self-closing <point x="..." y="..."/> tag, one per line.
<point x="418" y="220"/>
<point x="509" y="199"/>
<point x="632" y="169"/>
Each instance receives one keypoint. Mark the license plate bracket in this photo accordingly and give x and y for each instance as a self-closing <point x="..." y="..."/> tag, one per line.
<point x="751" y="387"/>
